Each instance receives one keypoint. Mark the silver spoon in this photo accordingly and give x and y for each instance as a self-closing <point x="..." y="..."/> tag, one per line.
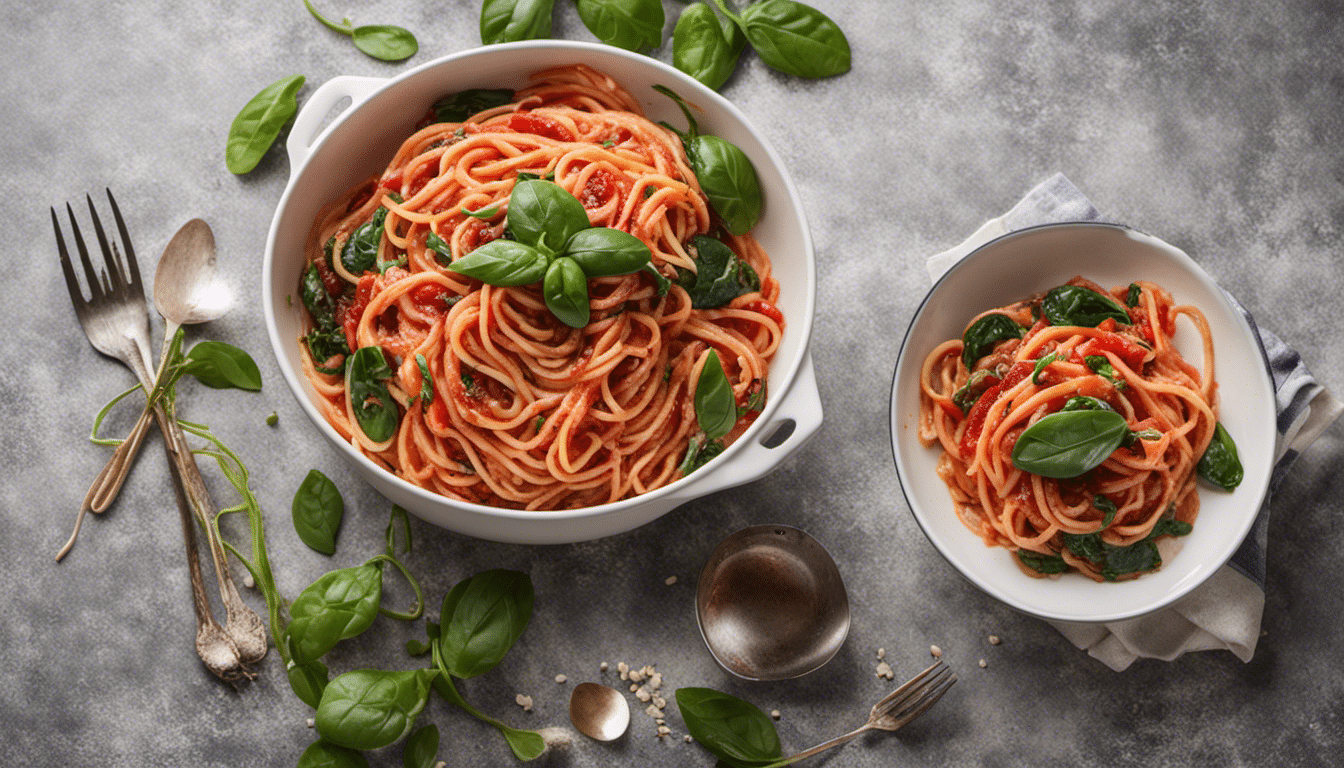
<point x="185" y="292"/>
<point x="770" y="604"/>
<point x="599" y="711"/>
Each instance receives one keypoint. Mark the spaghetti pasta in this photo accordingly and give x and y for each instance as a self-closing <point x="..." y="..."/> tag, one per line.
<point x="497" y="401"/>
<point x="990" y="399"/>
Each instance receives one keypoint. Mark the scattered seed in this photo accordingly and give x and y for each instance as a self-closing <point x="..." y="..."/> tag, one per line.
<point x="881" y="653"/>
<point x="636" y="676"/>
<point x="654" y="712"/>
<point x="659" y="702"/>
<point x="311" y="723"/>
<point x="994" y="640"/>
<point x="524" y="701"/>
<point x="774" y="713"/>
<point x="624" y="669"/>
<point x="687" y="738"/>
<point x="935" y="652"/>
<point x="884" y="670"/>
<point x="603" y="666"/>
<point x="670" y="580"/>
<point x="643" y="694"/>
<point x="663" y="731"/>
<point x="273" y="419"/>
<point x="983" y="664"/>
<point x="249" y="582"/>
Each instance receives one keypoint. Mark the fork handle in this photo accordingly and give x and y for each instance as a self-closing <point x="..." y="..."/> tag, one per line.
<point x="822" y="747"/>
<point x="108" y="483"/>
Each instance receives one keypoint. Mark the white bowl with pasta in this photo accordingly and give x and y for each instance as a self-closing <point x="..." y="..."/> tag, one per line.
<point x="1030" y="262"/>
<point x="328" y="155"/>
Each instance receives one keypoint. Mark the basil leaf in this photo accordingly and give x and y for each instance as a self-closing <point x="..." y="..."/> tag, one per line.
<point x="1076" y="305"/>
<point x="715" y="405"/>
<point x="385" y="42"/>
<point x="223" y="366"/>
<point x="482" y="617"/>
<point x="484" y="213"/>
<point x="508" y="21"/>
<point x="979" y="339"/>
<point x="503" y="263"/>
<point x="728" y="179"/>
<point x="699" y="453"/>
<point x="1041" y="365"/>
<point x="1220" y="464"/>
<point x="1107" y="507"/>
<point x="543" y="214"/>
<point x="720" y="275"/>
<point x="526" y="745"/>
<point x="375" y="410"/>
<point x="965" y="397"/>
<point x="705" y="48"/>
<point x="628" y="24"/>
<point x="565" y="289"/>
<point x="443" y="252"/>
<point x="1132" y="297"/>
<point x="360" y="252"/>
<point x="426" y="381"/>
<point x="1069" y="443"/>
<point x="1042" y="563"/>
<point x="457" y="107"/>
<point x="308" y="680"/>
<point x="422" y="747"/>
<point x="313" y="292"/>
<point x="602" y="252"/>
<point x="339" y="605"/>
<point x="732" y="729"/>
<point x="323" y="754"/>
<point x="659" y="279"/>
<point x="1085" y="403"/>
<point x="796" y="38"/>
<point x="372" y="708"/>
<point x="317" y="510"/>
<point x="258" y="124"/>
<point x="1101" y="365"/>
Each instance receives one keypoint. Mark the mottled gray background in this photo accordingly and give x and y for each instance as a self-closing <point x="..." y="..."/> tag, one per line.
<point x="1214" y="125"/>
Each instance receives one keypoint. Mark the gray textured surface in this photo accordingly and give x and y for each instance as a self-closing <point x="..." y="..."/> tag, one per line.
<point x="1216" y="126"/>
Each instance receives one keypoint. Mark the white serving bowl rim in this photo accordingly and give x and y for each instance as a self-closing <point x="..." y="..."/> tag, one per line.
<point x="794" y="403"/>
<point x="1224" y="520"/>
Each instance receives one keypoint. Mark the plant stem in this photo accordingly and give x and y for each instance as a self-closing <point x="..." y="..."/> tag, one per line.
<point x="344" y="29"/>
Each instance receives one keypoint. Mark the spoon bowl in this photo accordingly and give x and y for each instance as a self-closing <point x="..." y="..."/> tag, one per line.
<point x="185" y="289"/>
<point x="599" y="711"/>
<point x="770" y="604"/>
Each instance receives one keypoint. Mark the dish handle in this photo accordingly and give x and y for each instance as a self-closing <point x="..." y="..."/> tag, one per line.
<point x="322" y="108"/>
<point x="797" y="418"/>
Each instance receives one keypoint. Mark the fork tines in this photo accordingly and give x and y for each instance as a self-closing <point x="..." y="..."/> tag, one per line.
<point x="915" y="695"/>
<point x="117" y="276"/>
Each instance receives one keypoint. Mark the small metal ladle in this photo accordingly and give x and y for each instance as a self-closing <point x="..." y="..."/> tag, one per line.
<point x="770" y="604"/>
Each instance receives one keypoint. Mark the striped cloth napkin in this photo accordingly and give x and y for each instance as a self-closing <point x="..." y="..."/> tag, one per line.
<point x="1225" y="611"/>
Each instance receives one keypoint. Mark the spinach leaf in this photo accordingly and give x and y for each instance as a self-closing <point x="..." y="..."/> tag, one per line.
<point x="628" y="24"/>
<point x="1088" y="546"/>
<point x="1170" y="526"/>
<point x="323" y="754"/>
<point x="699" y="452"/>
<point x="360" y="252"/>
<point x="339" y="605"/>
<point x="1086" y="403"/>
<point x="422" y="747"/>
<point x="372" y="708"/>
<point x="508" y="21"/>
<point x="482" y="617"/>
<point x="1068" y="443"/>
<point x="258" y="124"/>
<point x="484" y="213"/>
<point x="795" y="38"/>
<point x="1042" y="563"/>
<point x="715" y="405"/>
<point x="503" y="263"/>
<point x="659" y="279"/>
<point x="314" y="294"/>
<point x="1113" y="561"/>
<point x="326" y="341"/>
<point x="732" y="729"/>
<point x="1076" y="305"/>
<point x="223" y="366"/>
<point x="720" y="275"/>
<point x="704" y="47"/>
<point x="308" y="680"/>
<point x="317" y="510"/>
<point x="544" y="215"/>
<point x="1107" y="508"/>
<point x="565" y="289"/>
<point x="1220" y="464"/>
<point x="443" y="252"/>
<point x="603" y="252"/>
<point x="426" y="380"/>
<point x="1138" y="557"/>
<point x="979" y="339"/>
<point x="457" y="107"/>
<point x="375" y="410"/>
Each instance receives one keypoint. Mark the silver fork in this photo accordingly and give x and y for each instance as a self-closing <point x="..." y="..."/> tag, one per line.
<point x="116" y="321"/>
<point x="894" y="711"/>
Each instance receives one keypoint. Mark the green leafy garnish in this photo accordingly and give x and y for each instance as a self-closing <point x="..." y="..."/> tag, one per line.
<point x="259" y="123"/>
<point x="381" y="41"/>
